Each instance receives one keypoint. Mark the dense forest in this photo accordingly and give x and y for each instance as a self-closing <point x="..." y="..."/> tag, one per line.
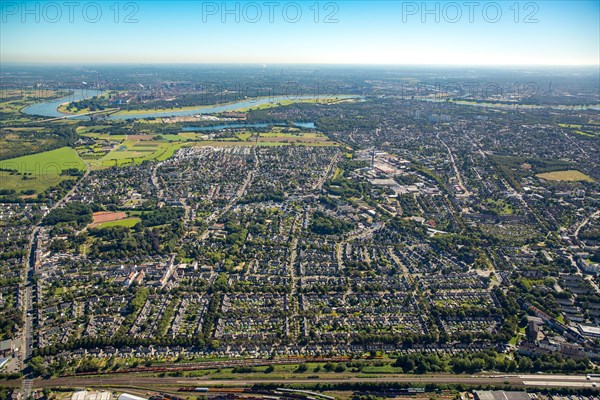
<point x="323" y="224"/>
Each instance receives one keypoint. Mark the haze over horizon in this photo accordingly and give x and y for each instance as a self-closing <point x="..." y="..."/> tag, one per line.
<point x="556" y="33"/>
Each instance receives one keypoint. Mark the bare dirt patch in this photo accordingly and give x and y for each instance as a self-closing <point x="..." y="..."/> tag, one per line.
<point x="140" y="137"/>
<point x="107" y="216"/>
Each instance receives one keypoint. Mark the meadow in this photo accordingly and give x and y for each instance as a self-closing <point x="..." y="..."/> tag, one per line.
<point x="590" y="130"/>
<point x="134" y="150"/>
<point x="38" y="172"/>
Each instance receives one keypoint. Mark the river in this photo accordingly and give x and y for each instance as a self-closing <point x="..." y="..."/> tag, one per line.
<point x="50" y="108"/>
<point x="305" y="125"/>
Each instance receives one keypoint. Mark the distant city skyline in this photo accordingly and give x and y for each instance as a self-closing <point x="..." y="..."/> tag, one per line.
<point x="478" y="33"/>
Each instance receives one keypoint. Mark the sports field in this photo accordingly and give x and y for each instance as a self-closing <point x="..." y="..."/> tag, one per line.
<point x="569" y="176"/>
<point x="104" y="219"/>
<point x="127" y="222"/>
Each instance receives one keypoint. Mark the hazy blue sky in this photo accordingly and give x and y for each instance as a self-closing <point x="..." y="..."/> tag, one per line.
<point x="366" y="32"/>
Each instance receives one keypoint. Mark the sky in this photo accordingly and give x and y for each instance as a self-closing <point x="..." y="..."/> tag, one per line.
<point x="469" y="32"/>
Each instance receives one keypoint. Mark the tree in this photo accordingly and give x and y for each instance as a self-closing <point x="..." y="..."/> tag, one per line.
<point x="37" y="365"/>
<point x="525" y="364"/>
<point x="340" y="368"/>
<point x="301" y="368"/>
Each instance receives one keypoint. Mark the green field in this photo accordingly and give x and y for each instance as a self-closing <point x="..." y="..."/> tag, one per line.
<point x="282" y="103"/>
<point x="100" y="132"/>
<point x="20" y="184"/>
<point x="500" y="207"/>
<point x="122" y="151"/>
<point x="131" y="152"/>
<point x="127" y="222"/>
<point x="282" y="136"/>
<point x="40" y="171"/>
<point x="244" y="135"/>
<point x="54" y="161"/>
<point x="590" y="130"/>
<point x="569" y="176"/>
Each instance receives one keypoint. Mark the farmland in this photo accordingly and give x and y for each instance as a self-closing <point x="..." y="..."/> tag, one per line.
<point x="126" y="150"/>
<point x="279" y="136"/>
<point x="589" y="130"/>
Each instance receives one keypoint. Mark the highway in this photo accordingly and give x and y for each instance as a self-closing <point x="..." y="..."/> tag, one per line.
<point x="108" y="111"/>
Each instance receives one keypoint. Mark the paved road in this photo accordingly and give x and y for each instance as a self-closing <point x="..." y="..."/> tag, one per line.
<point x="67" y="116"/>
<point x="27" y="285"/>
<point x="331" y="168"/>
<point x="456" y="171"/>
<point x="238" y="195"/>
<point x="584" y="223"/>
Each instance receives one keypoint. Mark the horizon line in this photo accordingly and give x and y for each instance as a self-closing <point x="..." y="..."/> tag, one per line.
<point x="265" y="64"/>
